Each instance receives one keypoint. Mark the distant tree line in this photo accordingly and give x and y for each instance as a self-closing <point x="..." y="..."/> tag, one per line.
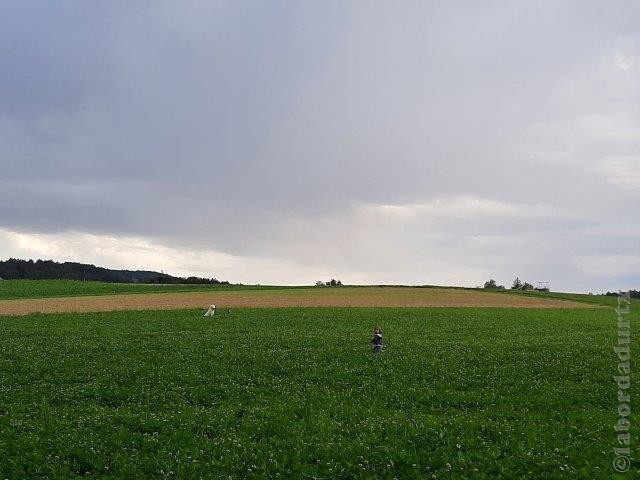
<point x="331" y="283"/>
<point x="15" y="269"/>
<point x="520" y="285"/>
<point x="516" y="285"/>
<point x="632" y="294"/>
<point x="492" y="284"/>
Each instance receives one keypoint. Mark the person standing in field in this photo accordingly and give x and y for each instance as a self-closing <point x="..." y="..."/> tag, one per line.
<point x="377" y="341"/>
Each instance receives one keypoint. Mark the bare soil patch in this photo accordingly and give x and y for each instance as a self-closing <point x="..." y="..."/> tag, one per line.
<point x="321" y="297"/>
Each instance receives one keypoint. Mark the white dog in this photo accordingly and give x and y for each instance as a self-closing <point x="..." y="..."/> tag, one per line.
<point x="211" y="312"/>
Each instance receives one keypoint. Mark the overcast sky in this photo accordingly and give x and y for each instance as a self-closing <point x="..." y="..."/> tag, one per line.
<point x="287" y="142"/>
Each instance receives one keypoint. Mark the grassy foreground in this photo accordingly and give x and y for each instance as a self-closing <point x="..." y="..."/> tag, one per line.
<point x="295" y="393"/>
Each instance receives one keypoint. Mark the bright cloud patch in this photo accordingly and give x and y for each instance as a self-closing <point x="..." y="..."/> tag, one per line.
<point x="143" y="254"/>
<point x="465" y="207"/>
<point x="623" y="171"/>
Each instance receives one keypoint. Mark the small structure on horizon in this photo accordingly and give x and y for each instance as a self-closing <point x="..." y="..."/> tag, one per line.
<point x="543" y="286"/>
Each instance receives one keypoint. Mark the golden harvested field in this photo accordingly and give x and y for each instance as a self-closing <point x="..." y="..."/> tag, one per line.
<point x="291" y="297"/>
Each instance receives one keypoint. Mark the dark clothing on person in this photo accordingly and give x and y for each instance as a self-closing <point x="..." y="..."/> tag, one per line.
<point x="378" y="343"/>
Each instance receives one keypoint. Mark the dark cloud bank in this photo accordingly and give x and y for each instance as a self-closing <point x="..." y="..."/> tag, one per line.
<point x="419" y="142"/>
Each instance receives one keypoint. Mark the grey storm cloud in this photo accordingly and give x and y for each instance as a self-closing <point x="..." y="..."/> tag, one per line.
<point x="412" y="141"/>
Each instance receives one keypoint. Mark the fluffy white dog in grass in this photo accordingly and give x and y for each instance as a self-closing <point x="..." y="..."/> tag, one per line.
<point x="211" y="312"/>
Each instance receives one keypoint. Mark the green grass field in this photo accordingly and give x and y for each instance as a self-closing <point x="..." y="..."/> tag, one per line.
<point x="10" y="289"/>
<point x="462" y="393"/>
<point x="16" y="289"/>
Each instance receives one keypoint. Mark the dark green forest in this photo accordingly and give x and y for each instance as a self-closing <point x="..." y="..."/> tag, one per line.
<point x="16" y="269"/>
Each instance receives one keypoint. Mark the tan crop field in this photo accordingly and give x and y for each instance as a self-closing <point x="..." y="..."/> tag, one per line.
<point x="286" y="297"/>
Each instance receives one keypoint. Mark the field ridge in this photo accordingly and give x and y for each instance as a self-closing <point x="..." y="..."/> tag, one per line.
<point x="286" y="297"/>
